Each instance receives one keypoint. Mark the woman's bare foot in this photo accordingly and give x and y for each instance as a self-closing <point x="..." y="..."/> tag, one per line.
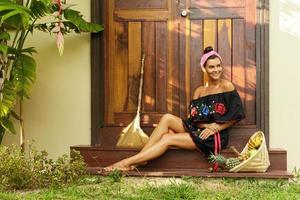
<point x="139" y="164"/>
<point x="118" y="166"/>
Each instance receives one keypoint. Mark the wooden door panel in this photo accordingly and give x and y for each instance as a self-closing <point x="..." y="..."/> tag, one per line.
<point x="148" y="46"/>
<point x="225" y="45"/>
<point x="250" y="62"/>
<point x="130" y="38"/>
<point x="161" y="66"/>
<point x="210" y="36"/>
<point x="173" y="46"/>
<point x="120" y="71"/>
<point x="217" y="4"/>
<point x="238" y="76"/>
<point x="134" y="60"/>
<point x="216" y="13"/>
<point x="140" y="4"/>
<point x="173" y="73"/>
<point x="141" y="15"/>
<point x="229" y="27"/>
<point x="195" y="56"/>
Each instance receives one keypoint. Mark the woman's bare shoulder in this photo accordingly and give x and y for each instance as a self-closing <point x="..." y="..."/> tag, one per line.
<point x="198" y="92"/>
<point x="227" y="86"/>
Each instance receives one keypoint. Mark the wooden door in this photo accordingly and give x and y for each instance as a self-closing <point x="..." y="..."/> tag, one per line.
<point x="173" y="45"/>
<point x="137" y="26"/>
<point x="229" y="26"/>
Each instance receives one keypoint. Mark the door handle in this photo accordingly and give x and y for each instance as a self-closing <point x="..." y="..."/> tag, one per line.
<point x="184" y="13"/>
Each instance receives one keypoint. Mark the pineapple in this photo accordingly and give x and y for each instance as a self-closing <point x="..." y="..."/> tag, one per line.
<point x="232" y="162"/>
<point x="221" y="160"/>
<point x="225" y="162"/>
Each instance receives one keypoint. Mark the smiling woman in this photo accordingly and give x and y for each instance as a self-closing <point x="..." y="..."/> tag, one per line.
<point x="214" y="108"/>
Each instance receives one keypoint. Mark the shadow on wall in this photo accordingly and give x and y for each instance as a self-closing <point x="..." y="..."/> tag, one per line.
<point x="289" y="17"/>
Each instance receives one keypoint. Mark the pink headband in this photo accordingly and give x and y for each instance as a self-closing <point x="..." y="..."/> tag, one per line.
<point x="207" y="55"/>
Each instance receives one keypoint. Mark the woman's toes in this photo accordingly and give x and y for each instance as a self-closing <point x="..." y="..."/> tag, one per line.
<point x="108" y="169"/>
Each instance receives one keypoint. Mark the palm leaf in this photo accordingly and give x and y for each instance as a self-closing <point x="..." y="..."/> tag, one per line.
<point x="8" y="98"/>
<point x="7" y="125"/>
<point x="42" y="27"/>
<point x="24" y="75"/>
<point x="47" y="2"/>
<point x="4" y="36"/>
<point x="13" y="15"/>
<point x="7" y="1"/>
<point x="79" y="24"/>
<point x="38" y="9"/>
<point x="29" y="50"/>
<point x="3" y="49"/>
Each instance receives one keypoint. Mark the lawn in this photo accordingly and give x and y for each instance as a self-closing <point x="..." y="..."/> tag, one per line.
<point x="117" y="187"/>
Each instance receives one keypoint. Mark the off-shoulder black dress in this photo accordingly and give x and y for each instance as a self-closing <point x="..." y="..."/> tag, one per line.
<point x="220" y="108"/>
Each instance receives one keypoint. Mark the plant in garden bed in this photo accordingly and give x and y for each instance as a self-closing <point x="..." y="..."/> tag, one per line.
<point x="18" y="171"/>
<point x="17" y="66"/>
<point x="296" y="174"/>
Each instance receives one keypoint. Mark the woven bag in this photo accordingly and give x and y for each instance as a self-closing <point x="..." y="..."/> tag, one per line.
<point x="259" y="162"/>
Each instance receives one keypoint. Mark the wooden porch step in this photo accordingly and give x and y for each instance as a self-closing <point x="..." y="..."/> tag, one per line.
<point x="270" y="174"/>
<point x="173" y="161"/>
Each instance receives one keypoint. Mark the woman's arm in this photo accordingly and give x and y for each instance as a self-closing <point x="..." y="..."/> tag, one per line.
<point x="217" y="127"/>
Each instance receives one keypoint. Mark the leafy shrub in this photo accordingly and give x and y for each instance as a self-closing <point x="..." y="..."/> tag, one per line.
<point x="14" y="169"/>
<point x="18" y="171"/>
<point x="115" y="176"/>
<point x="296" y="175"/>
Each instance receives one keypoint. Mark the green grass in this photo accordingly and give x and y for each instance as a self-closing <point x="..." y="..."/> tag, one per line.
<point x="113" y="187"/>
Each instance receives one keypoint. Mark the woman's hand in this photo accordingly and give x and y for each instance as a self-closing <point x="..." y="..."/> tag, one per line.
<point x="206" y="133"/>
<point x="209" y="130"/>
<point x="215" y="127"/>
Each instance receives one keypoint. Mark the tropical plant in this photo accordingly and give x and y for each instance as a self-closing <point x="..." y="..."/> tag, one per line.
<point x="17" y="66"/>
<point x="22" y="170"/>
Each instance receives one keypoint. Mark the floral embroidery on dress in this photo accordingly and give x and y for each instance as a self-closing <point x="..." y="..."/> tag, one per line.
<point x="205" y="110"/>
<point x="220" y="108"/>
<point x="194" y="111"/>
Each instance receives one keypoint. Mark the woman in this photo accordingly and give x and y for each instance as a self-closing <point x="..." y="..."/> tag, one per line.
<point x="214" y="108"/>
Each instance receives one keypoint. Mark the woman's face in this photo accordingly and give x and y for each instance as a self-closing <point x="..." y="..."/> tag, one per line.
<point x="213" y="68"/>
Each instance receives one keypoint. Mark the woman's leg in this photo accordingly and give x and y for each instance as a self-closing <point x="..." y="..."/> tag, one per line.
<point x="167" y="122"/>
<point x="181" y="140"/>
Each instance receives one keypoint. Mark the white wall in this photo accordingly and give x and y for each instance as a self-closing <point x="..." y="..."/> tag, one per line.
<point x="58" y="113"/>
<point x="284" y="77"/>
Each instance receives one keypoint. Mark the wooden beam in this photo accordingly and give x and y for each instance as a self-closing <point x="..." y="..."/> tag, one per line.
<point x="216" y="13"/>
<point x="134" y="61"/>
<point x="217" y="4"/>
<point x="140" y="4"/>
<point x="141" y="15"/>
<point x="97" y="72"/>
<point x="209" y="37"/>
<point x="225" y="46"/>
<point x="262" y="60"/>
